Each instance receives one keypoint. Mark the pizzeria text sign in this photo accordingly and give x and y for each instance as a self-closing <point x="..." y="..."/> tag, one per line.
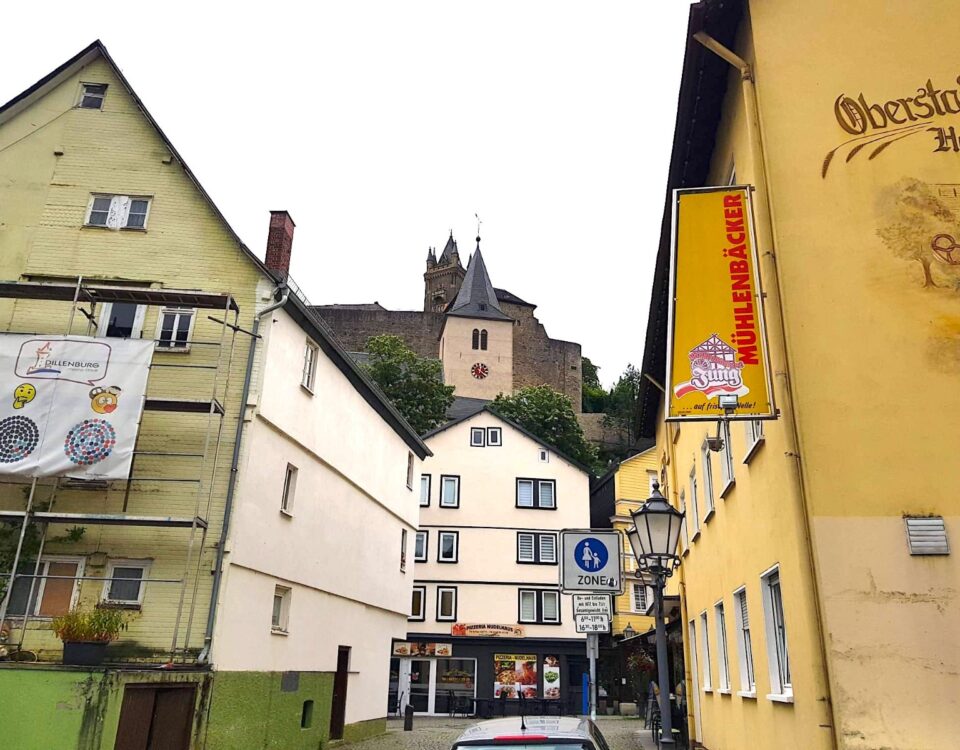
<point x="717" y="344"/>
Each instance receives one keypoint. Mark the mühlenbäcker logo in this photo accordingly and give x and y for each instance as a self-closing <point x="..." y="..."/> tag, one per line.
<point x="714" y="369"/>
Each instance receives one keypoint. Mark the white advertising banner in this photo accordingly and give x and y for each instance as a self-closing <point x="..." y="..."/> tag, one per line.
<point x="70" y="405"/>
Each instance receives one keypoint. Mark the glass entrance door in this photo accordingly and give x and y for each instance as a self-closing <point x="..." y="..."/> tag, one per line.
<point x="420" y="685"/>
<point x="456" y="685"/>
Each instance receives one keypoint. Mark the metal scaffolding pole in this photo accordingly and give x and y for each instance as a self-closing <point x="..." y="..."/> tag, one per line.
<point x="36" y="566"/>
<point x="16" y="555"/>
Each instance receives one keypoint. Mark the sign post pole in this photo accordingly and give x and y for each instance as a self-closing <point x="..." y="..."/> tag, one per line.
<point x="593" y="646"/>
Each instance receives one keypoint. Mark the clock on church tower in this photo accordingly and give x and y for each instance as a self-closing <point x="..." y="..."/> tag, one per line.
<point x="479" y="370"/>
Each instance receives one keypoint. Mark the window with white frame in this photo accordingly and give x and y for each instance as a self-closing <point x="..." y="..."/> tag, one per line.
<point x="536" y="493"/>
<point x="403" y="550"/>
<point x="92" y="95"/>
<point x="544" y="455"/>
<point x="424" y="490"/>
<point x="118" y="211"/>
<point x="694" y="656"/>
<point x="449" y="491"/>
<point x="494" y="437"/>
<point x="448" y="544"/>
<point x="446" y="603"/>
<point x="124" y="582"/>
<point x="539" y="606"/>
<point x="707" y="479"/>
<point x="174" y="325"/>
<point x="421" y="546"/>
<point x="280" y="622"/>
<point x="694" y="509"/>
<point x="418" y="604"/>
<point x="723" y="656"/>
<point x="753" y="432"/>
<point x="683" y="526"/>
<point x="726" y="460"/>
<point x="639" y="599"/>
<point x="289" y="489"/>
<point x="122" y="320"/>
<point x="311" y="352"/>
<point x="705" y="655"/>
<point x="778" y="660"/>
<point x="748" y="680"/>
<point x="478" y="437"/>
<point x="536" y="548"/>
<point x="410" y="467"/>
<point x="52" y="594"/>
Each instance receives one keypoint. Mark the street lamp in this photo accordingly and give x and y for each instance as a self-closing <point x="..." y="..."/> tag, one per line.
<point x="629" y="632"/>
<point x="654" y="538"/>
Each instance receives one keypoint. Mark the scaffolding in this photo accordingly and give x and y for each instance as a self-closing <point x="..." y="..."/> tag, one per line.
<point x="211" y="403"/>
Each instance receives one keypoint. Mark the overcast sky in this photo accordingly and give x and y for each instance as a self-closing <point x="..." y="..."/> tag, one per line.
<point x="380" y="126"/>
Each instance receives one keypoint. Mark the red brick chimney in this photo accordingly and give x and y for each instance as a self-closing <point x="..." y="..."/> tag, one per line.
<point x="280" y="243"/>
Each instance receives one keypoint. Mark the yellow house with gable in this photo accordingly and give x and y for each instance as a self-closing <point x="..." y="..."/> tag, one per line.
<point x="819" y="574"/>
<point x="208" y="545"/>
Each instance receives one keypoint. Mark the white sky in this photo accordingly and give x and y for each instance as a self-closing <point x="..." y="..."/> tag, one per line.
<point x="380" y="126"/>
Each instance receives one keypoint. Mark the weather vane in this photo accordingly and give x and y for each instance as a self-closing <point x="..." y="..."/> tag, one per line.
<point x="479" y="222"/>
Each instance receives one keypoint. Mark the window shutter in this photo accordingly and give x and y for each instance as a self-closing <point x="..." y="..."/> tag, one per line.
<point x="528" y="606"/>
<point x="525" y="547"/>
<point x="548" y="548"/>
<point x="549" y="608"/>
<point x="525" y="493"/>
<point x="546" y="495"/>
<point x="927" y="536"/>
<point x="742" y="601"/>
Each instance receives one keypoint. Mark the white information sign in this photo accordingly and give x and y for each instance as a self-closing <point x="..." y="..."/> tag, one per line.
<point x="70" y="405"/>
<point x="591" y="561"/>
<point x="592" y="623"/>
<point x="592" y="604"/>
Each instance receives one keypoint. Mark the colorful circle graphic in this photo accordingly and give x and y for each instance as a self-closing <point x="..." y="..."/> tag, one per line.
<point x="19" y="437"/>
<point x="90" y="441"/>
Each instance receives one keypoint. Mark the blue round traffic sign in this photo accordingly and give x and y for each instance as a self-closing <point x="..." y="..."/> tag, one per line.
<point x="590" y="555"/>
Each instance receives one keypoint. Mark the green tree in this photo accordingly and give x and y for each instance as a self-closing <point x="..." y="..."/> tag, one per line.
<point x="594" y="397"/>
<point x="414" y="384"/>
<point x="623" y="405"/>
<point x="549" y="415"/>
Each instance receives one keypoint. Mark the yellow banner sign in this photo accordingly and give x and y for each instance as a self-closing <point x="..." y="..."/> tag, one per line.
<point x="717" y="344"/>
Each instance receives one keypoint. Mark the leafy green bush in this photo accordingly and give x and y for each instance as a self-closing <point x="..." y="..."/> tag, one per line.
<point x="84" y="626"/>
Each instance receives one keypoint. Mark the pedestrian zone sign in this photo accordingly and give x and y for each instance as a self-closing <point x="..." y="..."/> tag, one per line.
<point x="591" y="561"/>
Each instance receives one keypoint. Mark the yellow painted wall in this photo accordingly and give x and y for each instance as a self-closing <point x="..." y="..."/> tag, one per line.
<point x="43" y="204"/>
<point x="872" y="354"/>
<point x="632" y="487"/>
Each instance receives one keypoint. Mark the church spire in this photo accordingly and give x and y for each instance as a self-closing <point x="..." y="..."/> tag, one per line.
<point x="450" y="254"/>
<point x="476" y="298"/>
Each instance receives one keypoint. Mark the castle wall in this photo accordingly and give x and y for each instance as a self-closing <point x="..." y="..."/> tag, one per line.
<point x="420" y="330"/>
<point x="539" y="360"/>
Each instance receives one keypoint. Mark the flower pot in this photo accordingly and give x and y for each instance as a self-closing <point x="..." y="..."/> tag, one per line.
<point x="84" y="653"/>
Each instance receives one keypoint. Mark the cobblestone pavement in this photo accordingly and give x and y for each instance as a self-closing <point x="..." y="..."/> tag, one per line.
<point x="438" y="733"/>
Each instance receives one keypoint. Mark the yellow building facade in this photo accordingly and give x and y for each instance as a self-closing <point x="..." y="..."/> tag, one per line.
<point x="820" y="603"/>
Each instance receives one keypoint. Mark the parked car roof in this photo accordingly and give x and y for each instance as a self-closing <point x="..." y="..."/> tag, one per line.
<point x="565" y="728"/>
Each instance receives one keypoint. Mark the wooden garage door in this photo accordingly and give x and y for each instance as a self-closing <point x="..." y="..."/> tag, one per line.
<point x="156" y="717"/>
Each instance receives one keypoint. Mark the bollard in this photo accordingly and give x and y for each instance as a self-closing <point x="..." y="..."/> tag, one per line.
<point x="408" y="718"/>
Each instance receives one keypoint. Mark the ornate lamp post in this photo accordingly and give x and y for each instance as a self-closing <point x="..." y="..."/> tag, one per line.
<point x="654" y="538"/>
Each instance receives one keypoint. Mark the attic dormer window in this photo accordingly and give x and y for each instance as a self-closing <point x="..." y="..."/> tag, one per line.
<point x="92" y="95"/>
<point x="483" y="306"/>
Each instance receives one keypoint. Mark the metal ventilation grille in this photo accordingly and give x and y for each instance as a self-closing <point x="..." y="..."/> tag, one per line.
<point x="927" y="536"/>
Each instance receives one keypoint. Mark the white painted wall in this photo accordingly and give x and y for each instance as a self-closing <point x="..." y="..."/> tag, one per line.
<point x="488" y="520"/>
<point x="339" y="548"/>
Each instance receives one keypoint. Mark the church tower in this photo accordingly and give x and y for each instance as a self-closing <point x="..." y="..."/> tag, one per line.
<point x="476" y="344"/>
<point x="443" y="277"/>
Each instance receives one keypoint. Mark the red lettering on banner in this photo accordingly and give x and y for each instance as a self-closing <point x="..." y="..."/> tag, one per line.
<point x="745" y="337"/>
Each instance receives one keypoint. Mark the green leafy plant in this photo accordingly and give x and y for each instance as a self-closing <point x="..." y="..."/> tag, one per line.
<point x="85" y="626"/>
<point x="413" y="384"/>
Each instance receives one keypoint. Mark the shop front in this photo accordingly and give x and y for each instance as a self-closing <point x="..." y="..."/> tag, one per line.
<point x="483" y="675"/>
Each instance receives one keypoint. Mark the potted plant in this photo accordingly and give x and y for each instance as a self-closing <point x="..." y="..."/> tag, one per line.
<point x="86" y="633"/>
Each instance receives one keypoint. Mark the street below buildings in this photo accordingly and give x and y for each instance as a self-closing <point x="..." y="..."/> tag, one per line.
<point x="438" y="733"/>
